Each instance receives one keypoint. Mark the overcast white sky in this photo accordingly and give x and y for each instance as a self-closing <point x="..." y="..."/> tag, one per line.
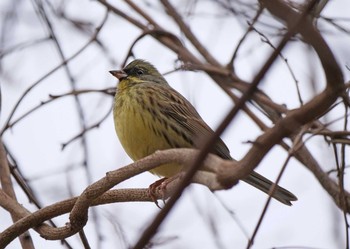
<point x="312" y="222"/>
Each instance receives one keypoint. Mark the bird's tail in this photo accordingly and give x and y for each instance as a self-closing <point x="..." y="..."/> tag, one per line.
<point x="264" y="185"/>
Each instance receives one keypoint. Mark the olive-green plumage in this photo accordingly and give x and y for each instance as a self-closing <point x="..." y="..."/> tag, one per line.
<point x="149" y="115"/>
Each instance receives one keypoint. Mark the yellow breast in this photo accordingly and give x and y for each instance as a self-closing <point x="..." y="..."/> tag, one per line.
<point x="140" y="130"/>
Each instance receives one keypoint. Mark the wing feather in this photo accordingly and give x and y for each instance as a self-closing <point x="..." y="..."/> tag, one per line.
<point x="175" y="106"/>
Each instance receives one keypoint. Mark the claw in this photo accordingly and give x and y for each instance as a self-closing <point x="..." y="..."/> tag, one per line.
<point x="160" y="187"/>
<point x="152" y="189"/>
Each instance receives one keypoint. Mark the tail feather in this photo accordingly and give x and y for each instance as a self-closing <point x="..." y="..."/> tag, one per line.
<point x="265" y="184"/>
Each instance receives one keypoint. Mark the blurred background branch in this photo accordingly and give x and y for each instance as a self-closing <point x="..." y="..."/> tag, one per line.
<point x="59" y="139"/>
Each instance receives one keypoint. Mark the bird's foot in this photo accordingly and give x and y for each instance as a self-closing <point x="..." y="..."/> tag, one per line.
<point x="156" y="187"/>
<point x="164" y="187"/>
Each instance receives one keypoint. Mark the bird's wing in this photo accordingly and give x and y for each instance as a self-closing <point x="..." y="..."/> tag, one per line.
<point x="175" y="106"/>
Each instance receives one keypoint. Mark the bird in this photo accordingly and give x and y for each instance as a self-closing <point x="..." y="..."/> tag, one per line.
<point x="149" y="115"/>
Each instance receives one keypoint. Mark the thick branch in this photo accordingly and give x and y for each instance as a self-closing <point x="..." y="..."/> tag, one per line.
<point x="294" y="119"/>
<point x="7" y="186"/>
<point x="96" y="194"/>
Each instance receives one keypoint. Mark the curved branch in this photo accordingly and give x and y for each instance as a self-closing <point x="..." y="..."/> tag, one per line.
<point x="96" y="194"/>
<point x="310" y="111"/>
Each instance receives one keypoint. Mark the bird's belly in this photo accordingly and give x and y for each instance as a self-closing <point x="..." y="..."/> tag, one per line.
<point x="141" y="135"/>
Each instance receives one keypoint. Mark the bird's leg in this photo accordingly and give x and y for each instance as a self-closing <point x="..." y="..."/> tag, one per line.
<point x="152" y="190"/>
<point x="164" y="187"/>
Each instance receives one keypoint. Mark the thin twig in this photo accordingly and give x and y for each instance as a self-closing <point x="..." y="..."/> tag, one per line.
<point x="188" y="33"/>
<point x="230" y="65"/>
<point x="153" y="227"/>
<point x="285" y="60"/>
<point x="36" y="83"/>
<point x="54" y="98"/>
<point x="297" y="142"/>
<point x="91" y="127"/>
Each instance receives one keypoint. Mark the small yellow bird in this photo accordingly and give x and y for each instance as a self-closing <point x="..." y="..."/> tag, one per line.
<point x="149" y="115"/>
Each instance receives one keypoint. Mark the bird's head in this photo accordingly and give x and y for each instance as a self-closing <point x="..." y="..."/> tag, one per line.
<point x="139" y="71"/>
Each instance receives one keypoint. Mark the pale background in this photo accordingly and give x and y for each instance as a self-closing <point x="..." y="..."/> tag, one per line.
<point x="198" y="220"/>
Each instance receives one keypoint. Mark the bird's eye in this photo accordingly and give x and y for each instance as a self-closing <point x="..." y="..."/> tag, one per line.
<point x="139" y="72"/>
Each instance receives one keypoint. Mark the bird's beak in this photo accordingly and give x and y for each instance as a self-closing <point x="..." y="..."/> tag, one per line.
<point x="120" y="74"/>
